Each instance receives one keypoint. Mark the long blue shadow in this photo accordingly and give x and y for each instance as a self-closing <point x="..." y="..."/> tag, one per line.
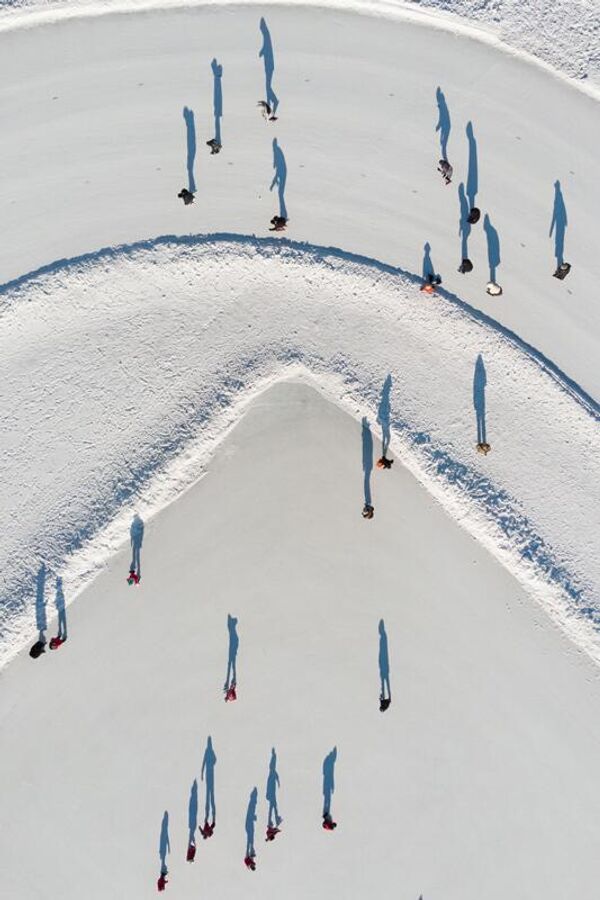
<point x="383" y="415"/>
<point x="428" y="267"/>
<point x="559" y="224"/>
<point x="280" y="176"/>
<point x="250" y="823"/>
<point x="266" y="51"/>
<point x="59" y="602"/>
<point x="479" y="384"/>
<point x="328" y="780"/>
<point x="234" y="643"/>
<point x="217" y="71"/>
<point x="164" y="845"/>
<point x="136" y="539"/>
<point x="464" y="228"/>
<point x="384" y="667"/>
<point x="443" y="123"/>
<point x="41" y="622"/>
<point x="367" y="459"/>
<point x="472" y="171"/>
<point x="274" y="819"/>
<point x="190" y="128"/>
<point x="495" y="502"/>
<point x="493" y="246"/>
<point x="193" y="813"/>
<point x="208" y="776"/>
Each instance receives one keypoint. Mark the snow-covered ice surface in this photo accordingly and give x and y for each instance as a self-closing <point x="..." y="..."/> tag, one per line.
<point x="477" y="782"/>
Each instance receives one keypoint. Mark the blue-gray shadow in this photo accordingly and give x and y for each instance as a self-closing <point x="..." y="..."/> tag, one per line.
<point x="559" y="224"/>
<point x="464" y="228"/>
<point x="40" y="613"/>
<point x="384" y="668"/>
<point x="190" y="128"/>
<point x="443" y="123"/>
<point x="266" y="51"/>
<point x="136" y="539"/>
<point x="367" y="459"/>
<point x="274" y="819"/>
<point x="164" y="845"/>
<point x="234" y="643"/>
<point x="280" y="176"/>
<point x="472" y="171"/>
<point x="208" y="776"/>
<point x="383" y="415"/>
<point x="217" y="71"/>
<point x="193" y="813"/>
<point x="59" y="601"/>
<point x="493" y="246"/>
<point x="250" y="823"/>
<point x="328" y="780"/>
<point x="429" y="273"/>
<point x="479" y="384"/>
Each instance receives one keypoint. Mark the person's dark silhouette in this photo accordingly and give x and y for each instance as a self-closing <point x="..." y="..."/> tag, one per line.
<point x="472" y="172"/>
<point x="280" y="177"/>
<point x="267" y="54"/>
<point x="493" y="246"/>
<point x="464" y="228"/>
<point x="328" y="785"/>
<point x="385" y="697"/>
<point x="479" y="385"/>
<point x="274" y="819"/>
<point x="208" y="776"/>
<point x="367" y="462"/>
<point x="217" y="71"/>
<point x="136" y="539"/>
<point x="59" y="601"/>
<point x="383" y="415"/>
<point x="234" y="643"/>
<point x="559" y="226"/>
<point x="164" y="847"/>
<point x="443" y="124"/>
<point x="40" y="613"/>
<point x="192" y="820"/>
<point x="250" y="821"/>
<point x="188" y="116"/>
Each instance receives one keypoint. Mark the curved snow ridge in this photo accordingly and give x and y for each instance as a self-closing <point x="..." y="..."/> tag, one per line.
<point x="124" y="368"/>
<point x="561" y="35"/>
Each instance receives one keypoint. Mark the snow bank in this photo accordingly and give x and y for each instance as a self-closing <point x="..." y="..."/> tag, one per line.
<point x="166" y="338"/>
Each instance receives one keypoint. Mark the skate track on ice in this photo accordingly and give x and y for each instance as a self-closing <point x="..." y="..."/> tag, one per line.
<point x="96" y="352"/>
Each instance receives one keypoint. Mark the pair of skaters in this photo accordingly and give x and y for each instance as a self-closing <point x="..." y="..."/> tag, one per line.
<point x="368" y="509"/>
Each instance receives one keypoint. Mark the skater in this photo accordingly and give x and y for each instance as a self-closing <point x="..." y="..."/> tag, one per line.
<point x="266" y="111"/>
<point x="133" y="577"/>
<point x="474" y="216"/>
<point x="249" y="859"/>
<point x="385" y="695"/>
<point x="328" y="789"/>
<point x="234" y="642"/>
<point x="279" y="223"/>
<point x="214" y="145"/>
<point x="479" y="385"/>
<point x="271" y="101"/>
<point x="208" y="769"/>
<point x="368" y="511"/>
<point x="59" y="601"/>
<point x="164" y="847"/>
<point x="493" y="289"/>
<point x="559" y="226"/>
<point x="162" y="881"/>
<point x="186" y="196"/>
<point x="192" y="822"/>
<point x="384" y="463"/>
<point x="465" y="266"/>
<point x="430" y="283"/>
<point x="40" y="614"/>
<point x="446" y="170"/>
<point x="274" y="820"/>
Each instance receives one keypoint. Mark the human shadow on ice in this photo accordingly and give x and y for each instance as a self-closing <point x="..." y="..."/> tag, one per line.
<point x="274" y="820"/>
<point x="234" y="642"/>
<point x="192" y="821"/>
<point x="267" y="54"/>
<point x="464" y="230"/>
<point x="385" y="694"/>
<point x="40" y="613"/>
<point x="383" y="415"/>
<point x="328" y="789"/>
<point x="208" y="777"/>
<point x="59" y="602"/>
<point x="559" y="226"/>
<point x="249" y="859"/>
<point x="136" y="539"/>
<point x="430" y="278"/>
<point x="164" y="847"/>
<point x="479" y="385"/>
<point x="443" y="123"/>
<point x="190" y="128"/>
<point x="472" y="171"/>
<point x="493" y="248"/>
<point x="280" y="177"/>
<point x="367" y="465"/>
<point x="215" y="143"/>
